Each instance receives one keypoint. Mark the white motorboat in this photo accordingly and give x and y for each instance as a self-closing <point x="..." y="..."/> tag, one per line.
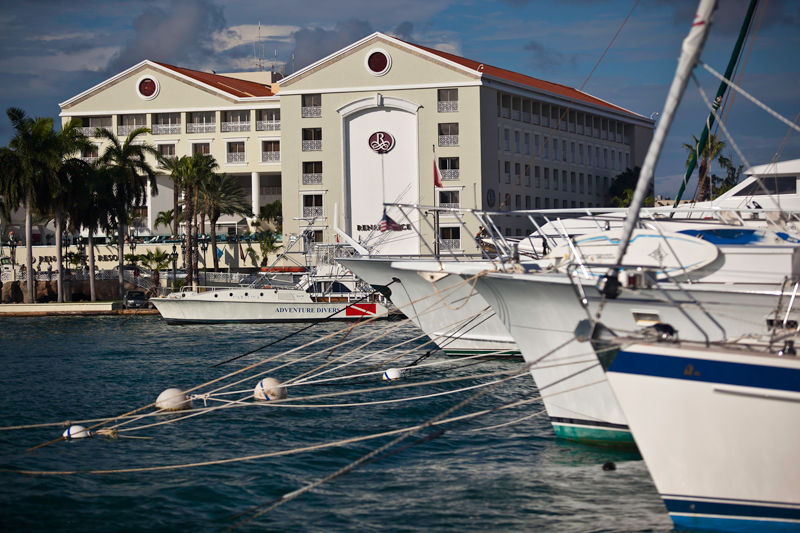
<point x="718" y="428"/>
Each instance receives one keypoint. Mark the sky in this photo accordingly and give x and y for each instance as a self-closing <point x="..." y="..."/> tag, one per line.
<point x="51" y="50"/>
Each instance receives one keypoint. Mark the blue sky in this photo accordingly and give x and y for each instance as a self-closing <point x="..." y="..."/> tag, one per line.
<point x="51" y="50"/>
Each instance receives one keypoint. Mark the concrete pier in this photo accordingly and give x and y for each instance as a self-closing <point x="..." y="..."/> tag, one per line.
<point x="71" y="309"/>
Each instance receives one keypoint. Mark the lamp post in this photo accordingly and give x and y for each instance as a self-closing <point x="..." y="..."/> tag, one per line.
<point x="13" y="246"/>
<point x="82" y="251"/>
<point x="174" y="265"/>
<point x="204" y="247"/>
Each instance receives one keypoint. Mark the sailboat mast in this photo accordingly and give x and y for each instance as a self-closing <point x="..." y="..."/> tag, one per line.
<point x="690" y="53"/>
<point x="723" y="86"/>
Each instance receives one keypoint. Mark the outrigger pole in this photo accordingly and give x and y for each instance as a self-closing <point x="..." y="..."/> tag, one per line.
<point x="723" y="86"/>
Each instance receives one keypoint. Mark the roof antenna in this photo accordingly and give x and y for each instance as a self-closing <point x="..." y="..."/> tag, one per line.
<point x="292" y="63"/>
<point x="261" y="50"/>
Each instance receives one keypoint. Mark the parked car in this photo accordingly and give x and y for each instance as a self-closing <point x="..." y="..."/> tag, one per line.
<point x="136" y="300"/>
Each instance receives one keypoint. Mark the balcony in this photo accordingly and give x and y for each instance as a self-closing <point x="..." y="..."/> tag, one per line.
<point x="268" y="125"/>
<point x="506" y="145"/>
<point x="450" y="174"/>
<point x="580" y="129"/>
<point x="166" y="129"/>
<point x="448" y="107"/>
<point x="516" y="147"/>
<point x="311" y="112"/>
<point x="526" y="117"/>
<point x="312" y="179"/>
<point x="126" y="130"/>
<point x="312" y="146"/>
<point x="236" y="157"/>
<point x="535" y="119"/>
<point x="89" y="131"/>
<point x="89" y="159"/>
<point x="626" y="140"/>
<point x="612" y="136"/>
<point x="508" y="177"/>
<point x="270" y="191"/>
<point x="448" y="140"/>
<point x="562" y="126"/>
<point x="311" y="212"/>
<point x="545" y="122"/>
<point x="572" y="128"/>
<point x="235" y="126"/>
<point x="209" y="127"/>
<point x="450" y="244"/>
<point x="270" y="157"/>
<point x="505" y="112"/>
<point x="515" y="114"/>
<point x="596" y="133"/>
<point x="604" y="135"/>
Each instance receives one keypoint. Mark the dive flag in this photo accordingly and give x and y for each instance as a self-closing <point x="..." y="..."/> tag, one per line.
<point x="387" y="224"/>
<point x="219" y="253"/>
<point x="437" y="175"/>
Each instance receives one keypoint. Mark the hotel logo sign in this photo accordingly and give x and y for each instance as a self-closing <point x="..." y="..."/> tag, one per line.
<point x="381" y="142"/>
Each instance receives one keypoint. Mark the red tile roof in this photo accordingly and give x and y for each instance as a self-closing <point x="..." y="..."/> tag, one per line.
<point x="562" y="90"/>
<point x="232" y="86"/>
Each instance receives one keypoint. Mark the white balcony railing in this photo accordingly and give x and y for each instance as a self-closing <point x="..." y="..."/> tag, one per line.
<point x="312" y="146"/>
<point x="126" y="130"/>
<point x="535" y="119"/>
<point x="450" y="174"/>
<point x="612" y="136"/>
<point x="526" y="117"/>
<point x="604" y="135"/>
<point x="505" y="113"/>
<point x="626" y="140"/>
<point x="515" y="115"/>
<point x="236" y="157"/>
<point x="455" y="205"/>
<point x="312" y="179"/>
<point x="562" y="126"/>
<point x="310" y="212"/>
<point x="311" y="111"/>
<point x="235" y="126"/>
<point x="270" y="157"/>
<point x="572" y="128"/>
<point x="208" y="127"/>
<point x="580" y="129"/>
<point x="448" y="140"/>
<point x="166" y="129"/>
<point x="89" y="132"/>
<point x="268" y="125"/>
<point x="545" y="122"/>
<point x="450" y="244"/>
<point x="596" y="133"/>
<point x="448" y="107"/>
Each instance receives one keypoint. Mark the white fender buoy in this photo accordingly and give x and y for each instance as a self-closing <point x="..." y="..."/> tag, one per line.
<point x="173" y="400"/>
<point x="269" y="389"/>
<point x="392" y="374"/>
<point x="76" y="432"/>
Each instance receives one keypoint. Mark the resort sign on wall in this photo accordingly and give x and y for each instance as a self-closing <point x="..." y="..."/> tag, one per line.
<point x="381" y="142"/>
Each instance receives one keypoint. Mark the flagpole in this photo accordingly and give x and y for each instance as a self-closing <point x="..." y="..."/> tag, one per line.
<point x="435" y="211"/>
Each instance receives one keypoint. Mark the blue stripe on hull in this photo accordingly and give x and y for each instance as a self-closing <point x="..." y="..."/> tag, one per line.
<point x="703" y="370"/>
<point x="719" y="516"/>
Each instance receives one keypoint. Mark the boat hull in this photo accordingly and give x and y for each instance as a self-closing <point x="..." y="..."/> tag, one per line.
<point x="718" y="430"/>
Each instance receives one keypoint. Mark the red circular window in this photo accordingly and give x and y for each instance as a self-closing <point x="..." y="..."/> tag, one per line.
<point x="378" y="62"/>
<point x="147" y="87"/>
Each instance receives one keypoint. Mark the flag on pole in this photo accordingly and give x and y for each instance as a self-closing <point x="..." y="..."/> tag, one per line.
<point x="387" y="224"/>
<point x="241" y="251"/>
<point x="437" y="175"/>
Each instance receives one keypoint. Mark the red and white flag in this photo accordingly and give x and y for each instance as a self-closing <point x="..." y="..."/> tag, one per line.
<point x="437" y="175"/>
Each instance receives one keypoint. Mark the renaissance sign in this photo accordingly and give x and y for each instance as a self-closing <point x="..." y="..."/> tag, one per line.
<point x="381" y="142"/>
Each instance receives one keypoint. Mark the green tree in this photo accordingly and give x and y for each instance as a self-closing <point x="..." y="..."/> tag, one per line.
<point x="130" y="174"/>
<point x="177" y="171"/>
<point x="273" y="211"/>
<point x="28" y="167"/>
<point x="222" y="195"/>
<point x="164" y="218"/>
<point x="720" y="185"/>
<point x="711" y="151"/>
<point x="156" y="261"/>
<point x="268" y="244"/>
<point x="199" y="169"/>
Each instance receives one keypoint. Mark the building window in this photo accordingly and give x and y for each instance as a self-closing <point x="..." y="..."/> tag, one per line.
<point x="166" y="124"/>
<point x="449" y="168"/>
<point x="605" y="158"/>
<point x="573" y="204"/>
<point x="572" y="152"/>
<point x="547" y="203"/>
<point x="518" y="202"/>
<point x="312" y="139"/>
<point x="605" y="185"/>
<point x="538" y="203"/>
<point x="90" y="155"/>
<point x="546" y="178"/>
<point x="527" y="143"/>
<point x="563" y="180"/>
<point x="597" y="156"/>
<point x="564" y="151"/>
<point x="378" y="62"/>
<point x="580" y="154"/>
<point x="589" y="155"/>
<point x="555" y="203"/>
<point x="448" y="134"/>
<point x="312" y="172"/>
<point x="517" y="147"/>
<point x="201" y="148"/>
<point x="572" y="181"/>
<point x="612" y="160"/>
<point x="449" y="199"/>
<point x="517" y="173"/>
<point x="555" y="178"/>
<point x="204" y="122"/>
<point x="235" y="121"/>
<point x="589" y="183"/>
<point x="537" y="176"/>
<point x="166" y="150"/>
<point x="270" y="151"/>
<point x="312" y="106"/>
<point x="555" y="149"/>
<point x="581" y="205"/>
<point x="499" y="140"/>
<point x="448" y="100"/>
<point x="527" y="176"/>
<point x="268" y="120"/>
<point x="507" y="140"/>
<point x="619" y="160"/>
<point x="597" y="188"/>
<point x="527" y="202"/>
<point x="128" y="123"/>
<point x="450" y="238"/>
<point x="312" y="206"/>
<point x="508" y="232"/>
<point x="236" y="153"/>
<point x="627" y="160"/>
<point x="536" y="145"/>
<point x="580" y="183"/>
<point x="546" y="149"/>
<point x="508" y="171"/>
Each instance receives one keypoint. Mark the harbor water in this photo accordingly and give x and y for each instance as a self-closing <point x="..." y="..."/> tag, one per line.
<point x="515" y="477"/>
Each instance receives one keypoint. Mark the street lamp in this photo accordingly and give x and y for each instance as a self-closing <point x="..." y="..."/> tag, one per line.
<point x="82" y="251"/>
<point x="13" y="245"/>
<point x="174" y="265"/>
<point x="204" y="247"/>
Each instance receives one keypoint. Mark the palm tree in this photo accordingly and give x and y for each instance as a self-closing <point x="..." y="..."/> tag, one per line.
<point x="27" y="173"/>
<point x="222" y="195"/>
<point x="177" y="171"/>
<point x="273" y="211"/>
<point x="711" y="151"/>
<point x="164" y="218"/>
<point x="155" y="261"/>
<point x="198" y="169"/>
<point x="268" y="245"/>
<point x="130" y="174"/>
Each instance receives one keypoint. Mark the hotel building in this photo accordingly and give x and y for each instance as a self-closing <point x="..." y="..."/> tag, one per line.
<point x="365" y="125"/>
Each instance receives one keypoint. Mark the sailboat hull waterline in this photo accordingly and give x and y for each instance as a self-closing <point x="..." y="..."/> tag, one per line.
<point x="719" y="430"/>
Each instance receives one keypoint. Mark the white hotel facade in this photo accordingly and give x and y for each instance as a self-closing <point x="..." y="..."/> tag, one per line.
<point x="305" y="139"/>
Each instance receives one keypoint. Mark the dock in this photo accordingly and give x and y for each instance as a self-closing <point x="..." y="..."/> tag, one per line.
<point x="71" y="309"/>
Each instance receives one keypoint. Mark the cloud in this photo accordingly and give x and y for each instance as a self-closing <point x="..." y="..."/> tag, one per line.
<point x="312" y="44"/>
<point x="182" y="33"/>
<point x="403" y="31"/>
<point x="730" y="14"/>
<point x="546" y="59"/>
